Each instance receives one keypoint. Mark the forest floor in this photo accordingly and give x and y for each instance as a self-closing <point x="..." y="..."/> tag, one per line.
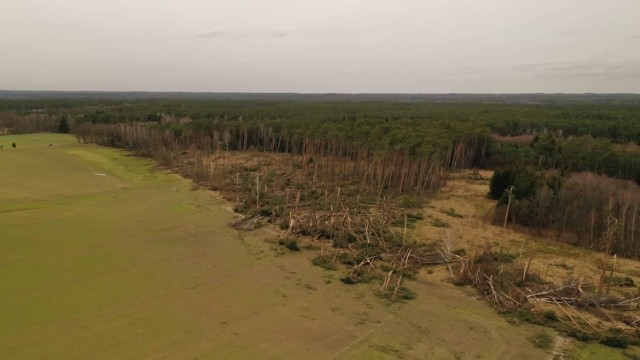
<point x="105" y="256"/>
<point x="463" y="210"/>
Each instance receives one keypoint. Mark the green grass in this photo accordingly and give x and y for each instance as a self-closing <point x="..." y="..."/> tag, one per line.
<point x="35" y="171"/>
<point x="595" y="351"/>
<point x="35" y="140"/>
<point x="135" y="265"/>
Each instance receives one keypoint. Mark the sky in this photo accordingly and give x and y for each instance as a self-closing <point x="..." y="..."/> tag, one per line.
<point x="348" y="46"/>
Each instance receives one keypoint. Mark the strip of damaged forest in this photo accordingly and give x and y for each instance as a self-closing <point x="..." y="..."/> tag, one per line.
<point x="315" y="181"/>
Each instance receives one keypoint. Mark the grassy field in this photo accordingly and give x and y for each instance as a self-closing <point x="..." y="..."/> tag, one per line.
<point x="104" y="257"/>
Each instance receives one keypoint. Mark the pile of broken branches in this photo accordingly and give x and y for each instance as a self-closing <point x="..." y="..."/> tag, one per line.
<point x="511" y="289"/>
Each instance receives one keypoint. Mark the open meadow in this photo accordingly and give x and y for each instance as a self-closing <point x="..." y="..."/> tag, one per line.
<point x="105" y="256"/>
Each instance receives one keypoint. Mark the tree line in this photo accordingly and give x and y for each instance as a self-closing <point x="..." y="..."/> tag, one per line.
<point x="570" y="154"/>
<point x="584" y="209"/>
<point x="618" y="122"/>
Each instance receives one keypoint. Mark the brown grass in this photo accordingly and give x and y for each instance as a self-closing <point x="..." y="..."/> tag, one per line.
<point x="557" y="262"/>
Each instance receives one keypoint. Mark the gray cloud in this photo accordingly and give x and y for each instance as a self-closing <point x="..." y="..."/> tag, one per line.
<point x="280" y="33"/>
<point x="274" y="34"/>
<point x="218" y="33"/>
<point x="211" y="34"/>
<point x="582" y="68"/>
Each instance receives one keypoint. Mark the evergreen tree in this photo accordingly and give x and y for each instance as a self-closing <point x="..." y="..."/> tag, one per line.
<point x="63" y="126"/>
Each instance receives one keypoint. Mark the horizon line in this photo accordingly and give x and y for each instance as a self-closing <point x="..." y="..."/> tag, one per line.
<point x="320" y="93"/>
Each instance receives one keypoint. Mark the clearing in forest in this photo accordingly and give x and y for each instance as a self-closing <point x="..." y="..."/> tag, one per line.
<point x="462" y="212"/>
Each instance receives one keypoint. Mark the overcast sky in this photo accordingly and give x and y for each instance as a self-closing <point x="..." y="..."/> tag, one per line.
<point x="407" y="46"/>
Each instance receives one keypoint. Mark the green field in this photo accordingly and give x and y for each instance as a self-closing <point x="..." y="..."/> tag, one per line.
<point x="106" y="257"/>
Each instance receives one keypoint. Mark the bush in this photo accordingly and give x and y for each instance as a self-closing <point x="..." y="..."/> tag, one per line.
<point x="439" y="223"/>
<point x="452" y="212"/>
<point x="504" y="257"/>
<point x="623" y="281"/>
<point x="458" y="281"/>
<point x="526" y="316"/>
<point x="616" y="341"/>
<point x="13" y="145"/>
<point x="488" y="257"/>
<point x="550" y="315"/>
<point x="412" y="219"/>
<point x="356" y="279"/>
<point x="579" y="335"/>
<point x="325" y="262"/>
<point x="411" y="202"/>
<point x="348" y="280"/>
<point x="346" y="259"/>
<point x="265" y="212"/>
<point x="326" y="234"/>
<point x="542" y="340"/>
<point x="403" y="294"/>
<point x="291" y="244"/>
